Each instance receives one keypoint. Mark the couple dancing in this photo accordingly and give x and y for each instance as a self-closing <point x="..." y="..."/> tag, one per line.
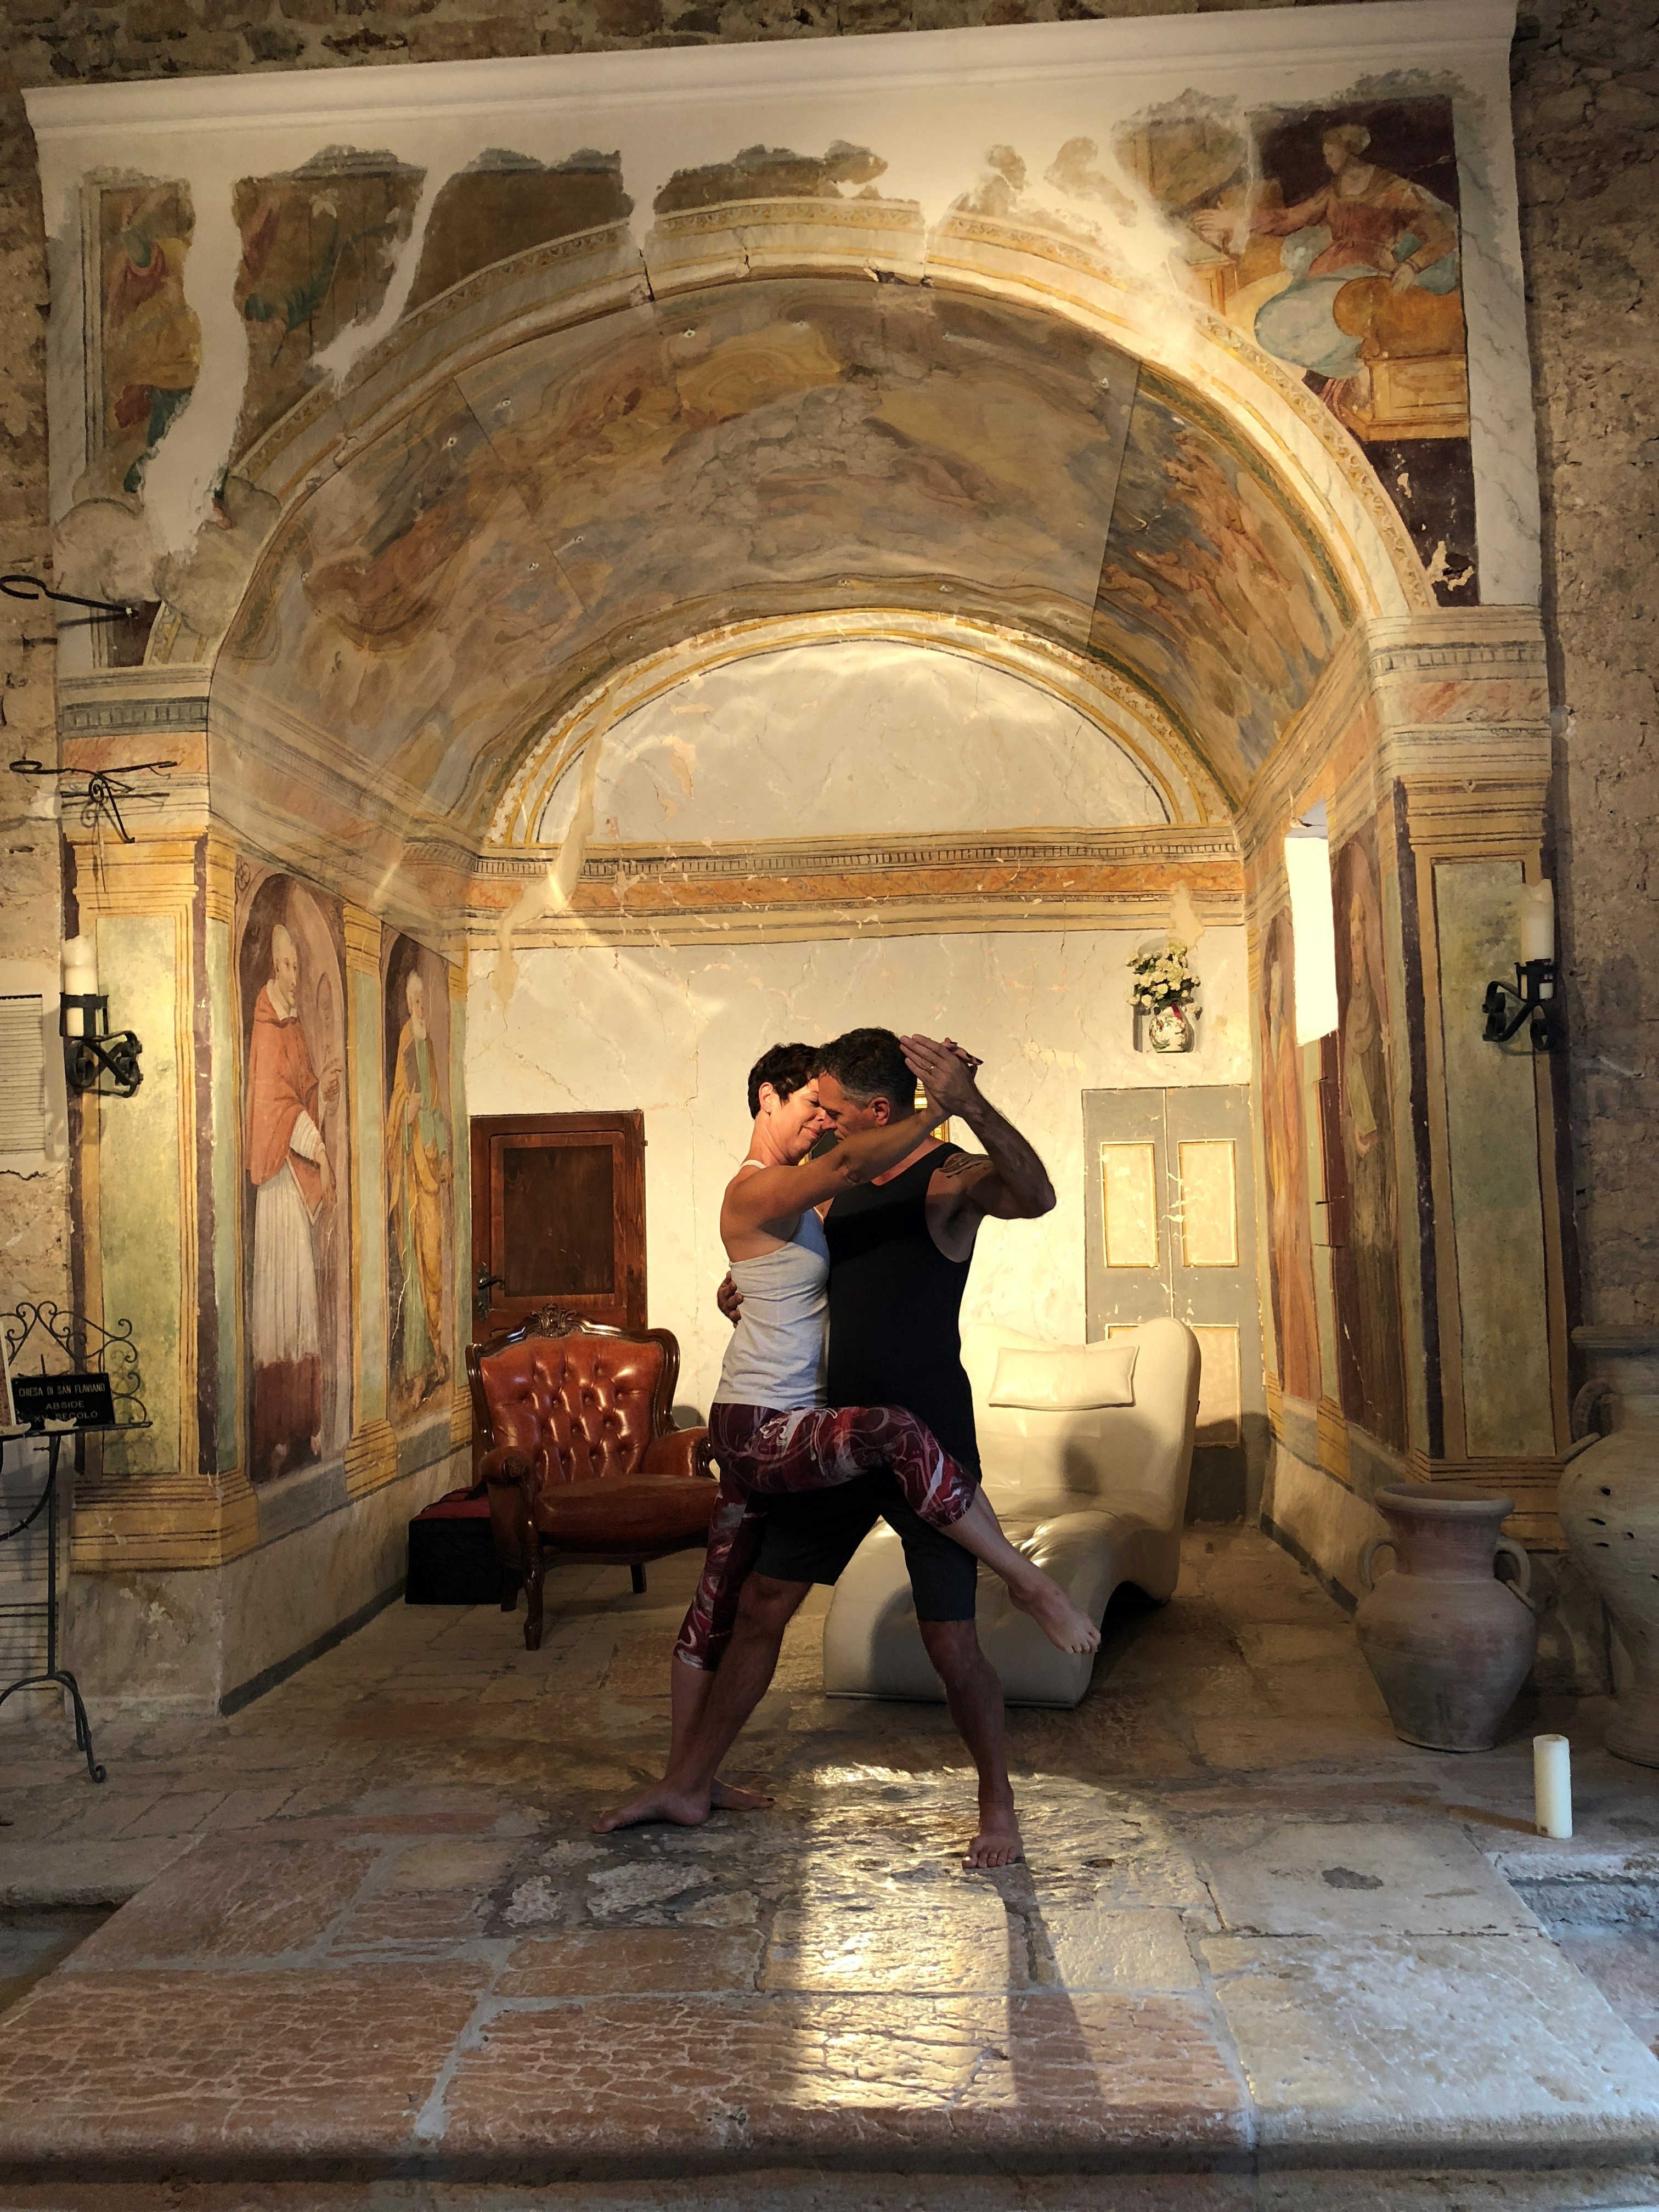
<point x="872" y="1240"/>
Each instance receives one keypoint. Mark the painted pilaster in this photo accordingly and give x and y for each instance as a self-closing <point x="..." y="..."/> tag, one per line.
<point x="371" y="1454"/>
<point x="163" y="1496"/>
<point x="460" y="1413"/>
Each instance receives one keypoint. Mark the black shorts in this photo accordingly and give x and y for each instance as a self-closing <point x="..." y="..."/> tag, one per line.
<point x="812" y="1533"/>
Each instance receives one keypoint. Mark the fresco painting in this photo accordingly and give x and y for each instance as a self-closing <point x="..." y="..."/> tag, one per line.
<point x="1331" y="236"/>
<point x="420" y="1172"/>
<point x="1206" y="587"/>
<point x="1285" y="1167"/>
<point x="296" y="1137"/>
<point x="613" y="487"/>
<point x="319" y="249"/>
<point x="149" y="339"/>
<point x="503" y="203"/>
<point x="1371" y="1343"/>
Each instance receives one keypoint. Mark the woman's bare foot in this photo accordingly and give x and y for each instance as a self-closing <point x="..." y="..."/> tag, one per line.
<point x="726" y="1797"/>
<point x="1057" y="1616"/>
<point x="684" y="1807"/>
<point x="998" y="1842"/>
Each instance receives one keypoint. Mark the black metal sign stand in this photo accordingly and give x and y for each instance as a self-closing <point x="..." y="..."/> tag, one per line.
<point x="54" y="1676"/>
<point x="94" y="1373"/>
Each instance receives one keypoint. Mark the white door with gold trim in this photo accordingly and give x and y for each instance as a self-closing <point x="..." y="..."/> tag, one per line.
<point x="1172" y="1230"/>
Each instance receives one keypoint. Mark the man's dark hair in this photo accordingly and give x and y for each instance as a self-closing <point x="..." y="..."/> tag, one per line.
<point x="786" y="1067"/>
<point x="869" y="1064"/>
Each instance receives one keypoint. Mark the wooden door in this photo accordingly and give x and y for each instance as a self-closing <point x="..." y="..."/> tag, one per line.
<point x="1172" y="1230"/>
<point x="558" y="1218"/>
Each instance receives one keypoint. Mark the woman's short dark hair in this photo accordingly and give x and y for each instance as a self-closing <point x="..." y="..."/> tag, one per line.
<point x="786" y="1067"/>
<point x="870" y="1063"/>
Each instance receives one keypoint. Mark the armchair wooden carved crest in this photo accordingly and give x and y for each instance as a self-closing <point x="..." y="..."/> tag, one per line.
<point x="582" y="1461"/>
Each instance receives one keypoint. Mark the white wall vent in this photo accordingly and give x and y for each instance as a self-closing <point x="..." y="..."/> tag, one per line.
<point x="33" y="1115"/>
<point x="22" y="1075"/>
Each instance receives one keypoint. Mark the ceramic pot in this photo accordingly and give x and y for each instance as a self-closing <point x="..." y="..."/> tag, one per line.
<point x="1608" y="1504"/>
<point x="1167" y="1030"/>
<point x="1449" y="1644"/>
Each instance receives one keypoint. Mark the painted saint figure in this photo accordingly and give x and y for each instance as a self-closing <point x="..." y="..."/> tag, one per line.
<point x="1367" y="1274"/>
<point x="419" y="1170"/>
<point x="289" y="1166"/>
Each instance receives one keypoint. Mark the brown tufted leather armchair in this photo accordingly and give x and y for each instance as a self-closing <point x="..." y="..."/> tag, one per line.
<point x="581" y="1458"/>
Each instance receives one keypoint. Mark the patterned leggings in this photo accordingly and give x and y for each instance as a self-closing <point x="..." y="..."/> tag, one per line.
<point x="764" y="1454"/>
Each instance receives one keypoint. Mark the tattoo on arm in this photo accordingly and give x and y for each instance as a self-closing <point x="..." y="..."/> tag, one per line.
<point x="1020" y="1189"/>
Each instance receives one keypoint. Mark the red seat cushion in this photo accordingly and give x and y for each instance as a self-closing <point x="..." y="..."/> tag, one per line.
<point x="457" y="1505"/>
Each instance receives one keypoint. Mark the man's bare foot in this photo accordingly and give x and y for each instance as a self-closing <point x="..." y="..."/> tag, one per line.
<point x="685" y="1809"/>
<point x="726" y="1797"/>
<point x="998" y="1842"/>
<point x="1057" y="1617"/>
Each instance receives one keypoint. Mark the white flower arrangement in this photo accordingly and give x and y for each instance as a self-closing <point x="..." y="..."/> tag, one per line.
<point x="1162" y="978"/>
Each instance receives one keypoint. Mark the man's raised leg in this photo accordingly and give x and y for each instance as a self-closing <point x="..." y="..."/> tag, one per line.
<point x="973" y="1695"/>
<point x="764" y="1611"/>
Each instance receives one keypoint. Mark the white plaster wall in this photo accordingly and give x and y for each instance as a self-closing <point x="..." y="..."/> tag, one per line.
<point x="674" y="1029"/>
<point x="798" y="739"/>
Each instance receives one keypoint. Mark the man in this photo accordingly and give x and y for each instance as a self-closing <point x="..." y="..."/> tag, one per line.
<point x="289" y="1166"/>
<point x="900" y="1248"/>
<point x="419" y="1176"/>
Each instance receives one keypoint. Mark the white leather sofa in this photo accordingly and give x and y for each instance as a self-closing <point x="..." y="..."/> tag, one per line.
<point x="1094" y="1494"/>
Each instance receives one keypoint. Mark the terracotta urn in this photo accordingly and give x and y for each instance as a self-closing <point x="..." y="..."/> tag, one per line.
<point x="1608" y="1504"/>
<point x="1449" y="1643"/>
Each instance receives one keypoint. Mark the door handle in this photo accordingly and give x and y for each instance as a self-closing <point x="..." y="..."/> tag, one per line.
<point x="483" y="1283"/>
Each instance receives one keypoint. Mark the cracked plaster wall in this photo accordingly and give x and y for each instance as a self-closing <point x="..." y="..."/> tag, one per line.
<point x="1587" y="114"/>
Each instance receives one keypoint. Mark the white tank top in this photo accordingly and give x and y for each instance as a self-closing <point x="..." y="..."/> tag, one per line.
<point x="776" y="1355"/>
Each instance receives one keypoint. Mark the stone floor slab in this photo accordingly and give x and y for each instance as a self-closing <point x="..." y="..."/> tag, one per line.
<point x="584" y="1962"/>
<point x="1383" y="2043"/>
<point x="165" y="2068"/>
<point x="959" y="1939"/>
<point x="1092" y="1949"/>
<point x="226" y="1901"/>
<point x="791" y="2077"/>
<point x="1312" y="1878"/>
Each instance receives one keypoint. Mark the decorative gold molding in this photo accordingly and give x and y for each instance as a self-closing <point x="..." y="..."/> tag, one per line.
<point x="460" y="1412"/>
<point x="1334" y="1441"/>
<point x="371" y="1458"/>
<point x="1532" y="1483"/>
<point x="146" y="1523"/>
<point x="362" y="930"/>
<point x="220" y="872"/>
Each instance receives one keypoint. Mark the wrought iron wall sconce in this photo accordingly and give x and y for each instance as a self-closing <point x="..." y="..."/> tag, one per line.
<point x="1533" y="999"/>
<point x="91" y="1049"/>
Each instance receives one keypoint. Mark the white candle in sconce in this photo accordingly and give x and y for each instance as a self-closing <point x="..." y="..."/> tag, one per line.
<point x="1538" y="927"/>
<point x="1552" y="1784"/>
<point x="80" y="978"/>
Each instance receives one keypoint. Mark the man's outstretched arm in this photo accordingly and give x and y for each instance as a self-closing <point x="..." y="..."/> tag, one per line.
<point x="1010" y="1182"/>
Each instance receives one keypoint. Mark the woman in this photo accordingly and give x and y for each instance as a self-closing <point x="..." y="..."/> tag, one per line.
<point x="769" y="1425"/>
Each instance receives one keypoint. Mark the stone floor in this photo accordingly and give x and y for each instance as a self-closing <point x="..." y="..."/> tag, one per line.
<point x="1260" y="1951"/>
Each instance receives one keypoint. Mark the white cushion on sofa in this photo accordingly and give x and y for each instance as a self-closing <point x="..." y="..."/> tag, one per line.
<point x="1072" y="1380"/>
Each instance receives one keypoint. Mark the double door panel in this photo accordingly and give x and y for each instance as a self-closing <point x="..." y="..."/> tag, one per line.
<point x="1172" y="1230"/>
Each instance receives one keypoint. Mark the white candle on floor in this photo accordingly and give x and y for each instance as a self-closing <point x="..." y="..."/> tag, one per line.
<point x="1552" y="1784"/>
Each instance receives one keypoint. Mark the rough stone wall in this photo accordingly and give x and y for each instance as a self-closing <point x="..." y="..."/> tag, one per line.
<point x="1587" y="130"/>
<point x="1587" y="111"/>
<point x="34" y="1209"/>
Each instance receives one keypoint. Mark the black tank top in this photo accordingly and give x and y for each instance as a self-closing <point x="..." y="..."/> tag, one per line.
<point x="894" y="1299"/>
